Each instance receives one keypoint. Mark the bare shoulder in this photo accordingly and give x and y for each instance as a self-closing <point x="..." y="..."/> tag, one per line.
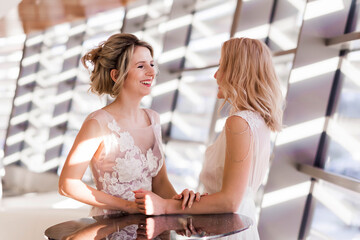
<point x="151" y="111"/>
<point x="236" y="124"/>
<point x="91" y="127"/>
<point x="154" y="114"/>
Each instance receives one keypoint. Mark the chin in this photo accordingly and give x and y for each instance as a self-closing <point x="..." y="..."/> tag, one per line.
<point x="145" y="93"/>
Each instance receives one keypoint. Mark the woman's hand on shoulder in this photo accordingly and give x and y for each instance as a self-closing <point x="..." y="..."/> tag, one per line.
<point x="188" y="197"/>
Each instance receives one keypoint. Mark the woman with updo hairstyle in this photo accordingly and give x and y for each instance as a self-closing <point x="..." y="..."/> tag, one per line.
<point x="235" y="165"/>
<point x="121" y="142"/>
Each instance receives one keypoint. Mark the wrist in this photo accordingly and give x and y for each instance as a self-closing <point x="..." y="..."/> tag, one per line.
<point x="166" y="206"/>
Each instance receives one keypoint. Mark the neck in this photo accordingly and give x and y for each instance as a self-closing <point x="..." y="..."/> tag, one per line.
<point x="126" y="106"/>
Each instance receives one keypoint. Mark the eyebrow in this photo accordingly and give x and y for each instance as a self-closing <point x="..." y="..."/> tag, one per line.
<point x="144" y="62"/>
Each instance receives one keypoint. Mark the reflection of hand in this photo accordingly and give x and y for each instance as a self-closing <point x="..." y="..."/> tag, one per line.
<point x="149" y="203"/>
<point x="188" y="197"/>
<point x="154" y="226"/>
<point x="189" y="229"/>
<point x="217" y="224"/>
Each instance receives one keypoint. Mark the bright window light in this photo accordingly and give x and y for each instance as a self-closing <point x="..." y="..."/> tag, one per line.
<point x="319" y="8"/>
<point x="208" y="43"/>
<point x="59" y="119"/>
<point x="23" y="99"/>
<point x="350" y="71"/>
<point x="68" y="203"/>
<point x="65" y="96"/>
<point x="339" y="208"/>
<point x="347" y="141"/>
<point x="31" y="60"/>
<point x="48" y="165"/>
<point x="299" y="5"/>
<point x="191" y="94"/>
<point x="175" y="23"/>
<point x="11" y="158"/>
<point x="257" y="32"/>
<point x="34" y="40"/>
<point x="185" y="126"/>
<point x="220" y="124"/>
<point x="137" y="12"/>
<point x="203" y="28"/>
<point x="281" y="39"/>
<point x="172" y="55"/>
<point x="286" y="194"/>
<point x="16" y="138"/>
<point x="165" y="117"/>
<point x="195" y="59"/>
<point x="19" y="119"/>
<point x="165" y="87"/>
<point x="217" y="11"/>
<point x="77" y="29"/>
<point x="300" y="131"/>
<point x="314" y="69"/>
<point x="56" y="141"/>
<point x="74" y="51"/>
<point x="67" y="75"/>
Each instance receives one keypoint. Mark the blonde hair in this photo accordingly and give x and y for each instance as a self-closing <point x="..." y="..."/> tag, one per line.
<point x="248" y="80"/>
<point x="114" y="53"/>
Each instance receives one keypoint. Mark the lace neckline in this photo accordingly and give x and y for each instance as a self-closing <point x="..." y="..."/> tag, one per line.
<point x="139" y="128"/>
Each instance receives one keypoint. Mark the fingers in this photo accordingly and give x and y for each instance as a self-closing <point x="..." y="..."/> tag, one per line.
<point x="192" y="228"/>
<point x="191" y="199"/>
<point x="140" y="191"/>
<point x="197" y="197"/>
<point x="140" y="195"/>
<point x="177" y="196"/>
<point x="185" y="194"/>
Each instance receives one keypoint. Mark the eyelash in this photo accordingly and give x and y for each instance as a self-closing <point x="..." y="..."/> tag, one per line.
<point x="141" y="66"/>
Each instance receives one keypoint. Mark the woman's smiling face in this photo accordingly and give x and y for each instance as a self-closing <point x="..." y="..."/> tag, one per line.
<point x="141" y="72"/>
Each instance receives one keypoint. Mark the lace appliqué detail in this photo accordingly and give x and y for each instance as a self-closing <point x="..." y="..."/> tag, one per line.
<point x="127" y="233"/>
<point x="133" y="171"/>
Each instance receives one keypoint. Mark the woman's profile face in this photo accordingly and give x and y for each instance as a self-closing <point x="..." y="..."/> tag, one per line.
<point x="141" y="73"/>
<point x="217" y="76"/>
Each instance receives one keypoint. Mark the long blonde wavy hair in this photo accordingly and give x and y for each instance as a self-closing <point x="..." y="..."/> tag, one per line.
<point x="248" y="80"/>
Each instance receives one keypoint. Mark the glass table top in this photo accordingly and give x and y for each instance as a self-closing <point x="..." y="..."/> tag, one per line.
<point x="209" y="226"/>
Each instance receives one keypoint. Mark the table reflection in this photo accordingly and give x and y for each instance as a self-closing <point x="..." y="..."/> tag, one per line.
<point x="150" y="227"/>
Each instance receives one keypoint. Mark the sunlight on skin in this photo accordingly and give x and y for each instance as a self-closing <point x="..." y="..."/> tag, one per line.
<point x="150" y="226"/>
<point x="149" y="205"/>
<point x="83" y="149"/>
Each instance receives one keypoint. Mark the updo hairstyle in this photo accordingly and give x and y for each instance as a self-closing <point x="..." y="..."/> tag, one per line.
<point x="114" y="53"/>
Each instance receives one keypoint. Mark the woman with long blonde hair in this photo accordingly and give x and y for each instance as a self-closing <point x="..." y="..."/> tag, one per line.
<point x="236" y="164"/>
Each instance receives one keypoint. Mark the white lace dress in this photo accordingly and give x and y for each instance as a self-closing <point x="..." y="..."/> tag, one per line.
<point x="128" y="158"/>
<point x="213" y="168"/>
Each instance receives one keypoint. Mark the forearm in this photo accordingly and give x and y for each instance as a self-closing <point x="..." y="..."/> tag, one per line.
<point x="165" y="190"/>
<point x="80" y="191"/>
<point x="214" y="203"/>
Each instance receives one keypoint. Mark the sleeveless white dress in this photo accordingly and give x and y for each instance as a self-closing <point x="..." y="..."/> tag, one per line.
<point x="211" y="175"/>
<point x="128" y="158"/>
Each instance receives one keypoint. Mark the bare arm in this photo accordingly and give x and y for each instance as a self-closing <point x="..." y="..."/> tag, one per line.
<point x="161" y="184"/>
<point x="236" y="171"/>
<point x="71" y="185"/>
